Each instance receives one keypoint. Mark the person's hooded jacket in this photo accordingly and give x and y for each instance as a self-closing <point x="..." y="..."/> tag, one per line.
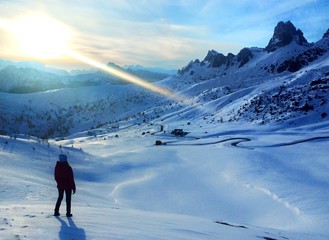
<point x="64" y="176"/>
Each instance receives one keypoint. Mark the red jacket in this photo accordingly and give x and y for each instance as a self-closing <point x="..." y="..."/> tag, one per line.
<point x="64" y="176"/>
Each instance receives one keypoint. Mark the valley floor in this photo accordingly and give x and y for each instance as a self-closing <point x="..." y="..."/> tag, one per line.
<point x="246" y="183"/>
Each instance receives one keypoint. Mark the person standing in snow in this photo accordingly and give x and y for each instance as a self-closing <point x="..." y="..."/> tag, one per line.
<point x="65" y="183"/>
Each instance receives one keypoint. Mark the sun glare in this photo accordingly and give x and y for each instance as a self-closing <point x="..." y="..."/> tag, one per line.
<point x="41" y="37"/>
<point x="45" y="38"/>
<point x="126" y="76"/>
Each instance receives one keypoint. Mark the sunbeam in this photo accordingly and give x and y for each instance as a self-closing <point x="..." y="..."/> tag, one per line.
<point x="42" y="37"/>
<point x="126" y="76"/>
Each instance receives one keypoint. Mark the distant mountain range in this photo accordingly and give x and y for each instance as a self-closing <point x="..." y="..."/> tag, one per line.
<point x="29" y="77"/>
<point x="285" y="84"/>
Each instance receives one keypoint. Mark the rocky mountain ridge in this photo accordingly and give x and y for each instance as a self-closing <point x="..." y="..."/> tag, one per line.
<point x="288" y="87"/>
<point x="292" y="58"/>
<point x="284" y="34"/>
<point x="291" y="73"/>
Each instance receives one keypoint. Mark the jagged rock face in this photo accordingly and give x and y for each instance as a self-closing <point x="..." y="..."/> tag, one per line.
<point x="312" y="53"/>
<point x="284" y="34"/>
<point x="296" y="63"/>
<point x="210" y="55"/>
<point x="216" y="59"/>
<point x="244" y="56"/>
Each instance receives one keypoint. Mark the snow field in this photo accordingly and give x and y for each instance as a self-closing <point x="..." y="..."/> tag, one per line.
<point x="128" y="188"/>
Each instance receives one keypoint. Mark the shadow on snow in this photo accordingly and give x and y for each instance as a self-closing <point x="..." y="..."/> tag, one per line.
<point x="70" y="231"/>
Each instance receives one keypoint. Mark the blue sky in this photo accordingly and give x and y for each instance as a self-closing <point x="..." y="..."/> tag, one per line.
<point x="166" y="33"/>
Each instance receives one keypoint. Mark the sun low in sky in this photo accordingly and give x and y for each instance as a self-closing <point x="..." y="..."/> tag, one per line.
<point x="41" y="37"/>
<point x="154" y="33"/>
<point x="164" y="33"/>
<point x="38" y="37"/>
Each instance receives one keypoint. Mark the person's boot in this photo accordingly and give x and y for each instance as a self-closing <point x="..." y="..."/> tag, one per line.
<point x="69" y="215"/>
<point x="56" y="214"/>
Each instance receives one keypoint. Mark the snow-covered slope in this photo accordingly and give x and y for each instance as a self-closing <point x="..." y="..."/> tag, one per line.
<point x="64" y="111"/>
<point x="253" y="165"/>
<point x="285" y="82"/>
<point x="205" y="186"/>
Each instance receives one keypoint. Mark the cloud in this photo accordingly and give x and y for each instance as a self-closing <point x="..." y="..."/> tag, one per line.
<point x="171" y="33"/>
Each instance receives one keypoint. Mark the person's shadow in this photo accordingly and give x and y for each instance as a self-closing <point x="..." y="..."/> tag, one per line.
<point x="70" y="231"/>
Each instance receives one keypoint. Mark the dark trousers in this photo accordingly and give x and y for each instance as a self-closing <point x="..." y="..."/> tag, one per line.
<point x="68" y="194"/>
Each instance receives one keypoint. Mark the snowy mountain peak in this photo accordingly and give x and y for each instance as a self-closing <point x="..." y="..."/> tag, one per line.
<point x="292" y="52"/>
<point x="284" y="34"/>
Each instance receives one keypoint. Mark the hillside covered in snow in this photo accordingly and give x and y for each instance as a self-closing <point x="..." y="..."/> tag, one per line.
<point x="252" y="161"/>
<point x="287" y="82"/>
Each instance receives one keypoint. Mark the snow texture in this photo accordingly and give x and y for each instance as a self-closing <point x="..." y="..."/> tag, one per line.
<point x="252" y="164"/>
